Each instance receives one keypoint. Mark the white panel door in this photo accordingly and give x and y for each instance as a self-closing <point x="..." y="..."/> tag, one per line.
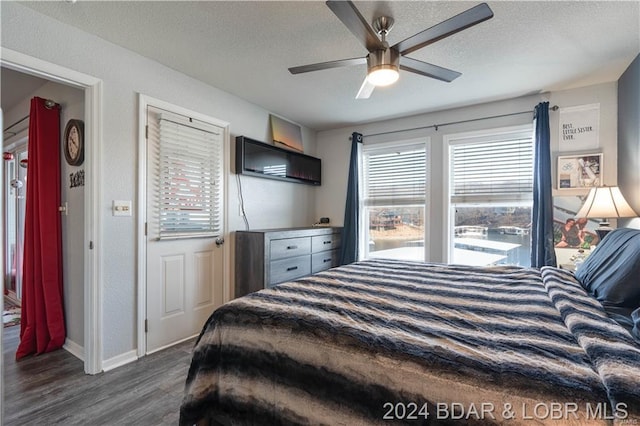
<point x="184" y="272"/>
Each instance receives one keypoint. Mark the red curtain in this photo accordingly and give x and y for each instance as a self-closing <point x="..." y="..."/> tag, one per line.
<point x="42" y="324"/>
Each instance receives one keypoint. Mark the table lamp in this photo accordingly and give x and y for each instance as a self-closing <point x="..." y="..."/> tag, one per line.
<point x="605" y="202"/>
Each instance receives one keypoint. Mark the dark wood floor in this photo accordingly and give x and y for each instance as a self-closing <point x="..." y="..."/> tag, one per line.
<point x="52" y="389"/>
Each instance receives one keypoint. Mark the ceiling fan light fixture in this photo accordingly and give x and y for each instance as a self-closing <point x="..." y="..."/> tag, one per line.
<point x="383" y="75"/>
<point x="383" y="61"/>
<point x="383" y="66"/>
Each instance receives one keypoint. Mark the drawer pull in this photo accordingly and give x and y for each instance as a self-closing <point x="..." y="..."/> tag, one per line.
<point x="292" y="247"/>
<point x="326" y="260"/>
<point x="292" y="268"/>
<point x="326" y="242"/>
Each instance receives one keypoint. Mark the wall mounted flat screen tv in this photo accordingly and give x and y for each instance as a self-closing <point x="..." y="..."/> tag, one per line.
<point x="259" y="159"/>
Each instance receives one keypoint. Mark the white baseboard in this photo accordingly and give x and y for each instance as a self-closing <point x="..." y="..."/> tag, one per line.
<point x="74" y="349"/>
<point x="119" y="360"/>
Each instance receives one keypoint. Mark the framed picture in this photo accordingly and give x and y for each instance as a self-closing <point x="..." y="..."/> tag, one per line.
<point x="286" y="134"/>
<point x="579" y="127"/>
<point x="570" y="231"/>
<point x="579" y="171"/>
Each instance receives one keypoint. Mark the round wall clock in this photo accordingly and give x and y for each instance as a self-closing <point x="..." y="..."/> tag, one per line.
<point x="74" y="142"/>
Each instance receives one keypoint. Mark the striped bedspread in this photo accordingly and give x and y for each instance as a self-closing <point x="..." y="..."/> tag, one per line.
<point x="391" y="342"/>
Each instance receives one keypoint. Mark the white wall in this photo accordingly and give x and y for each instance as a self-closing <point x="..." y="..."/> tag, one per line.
<point x="72" y="222"/>
<point x="72" y="103"/>
<point x="124" y="74"/>
<point x="334" y="146"/>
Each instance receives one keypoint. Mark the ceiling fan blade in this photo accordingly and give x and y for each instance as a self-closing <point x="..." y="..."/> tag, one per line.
<point x="462" y="21"/>
<point x="346" y="11"/>
<point x="429" y="70"/>
<point x="365" y="90"/>
<point x="327" y="65"/>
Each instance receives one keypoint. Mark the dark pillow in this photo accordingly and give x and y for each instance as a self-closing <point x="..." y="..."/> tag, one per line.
<point x="612" y="272"/>
<point x="635" y="316"/>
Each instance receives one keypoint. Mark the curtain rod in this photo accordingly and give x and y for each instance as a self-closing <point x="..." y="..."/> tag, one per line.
<point x="47" y="103"/>
<point x="436" y="126"/>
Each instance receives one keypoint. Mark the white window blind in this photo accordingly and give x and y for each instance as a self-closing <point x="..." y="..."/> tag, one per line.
<point x="492" y="170"/>
<point x="394" y="177"/>
<point x="188" y="163"/>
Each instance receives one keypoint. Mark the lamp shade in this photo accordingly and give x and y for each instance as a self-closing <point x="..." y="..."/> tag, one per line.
<point x="606" y="202"/>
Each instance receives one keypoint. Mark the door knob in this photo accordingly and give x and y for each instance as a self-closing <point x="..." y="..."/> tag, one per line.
<point x="219" y="241"/>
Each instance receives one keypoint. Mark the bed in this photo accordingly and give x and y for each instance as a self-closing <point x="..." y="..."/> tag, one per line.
<point x="393" y="342"/>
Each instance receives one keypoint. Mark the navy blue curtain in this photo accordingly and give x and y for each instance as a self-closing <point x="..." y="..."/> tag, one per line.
<point x="350" y="230"/>
<point x="542" y="251"/>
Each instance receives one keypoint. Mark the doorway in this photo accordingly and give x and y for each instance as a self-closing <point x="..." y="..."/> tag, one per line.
<point x="16" y="101"/>
<point x="90" y="91"/>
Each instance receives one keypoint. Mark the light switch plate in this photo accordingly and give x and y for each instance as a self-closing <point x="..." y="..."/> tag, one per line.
<point x="121" y="208"/>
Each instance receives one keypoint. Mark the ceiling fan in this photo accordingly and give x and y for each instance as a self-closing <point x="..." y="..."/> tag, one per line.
<point x="384" y="61"/>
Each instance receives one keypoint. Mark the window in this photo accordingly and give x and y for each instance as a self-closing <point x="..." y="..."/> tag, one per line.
<point x="188" y="162"/>
<point x="394" y="188"/>
<point x="491" y="183"/>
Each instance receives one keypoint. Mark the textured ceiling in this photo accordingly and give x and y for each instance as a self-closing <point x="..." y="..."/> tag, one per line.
<point x="245" y="48"/>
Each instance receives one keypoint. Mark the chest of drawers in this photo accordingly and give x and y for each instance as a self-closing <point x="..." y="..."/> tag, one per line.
<point x="264" y="258"/>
